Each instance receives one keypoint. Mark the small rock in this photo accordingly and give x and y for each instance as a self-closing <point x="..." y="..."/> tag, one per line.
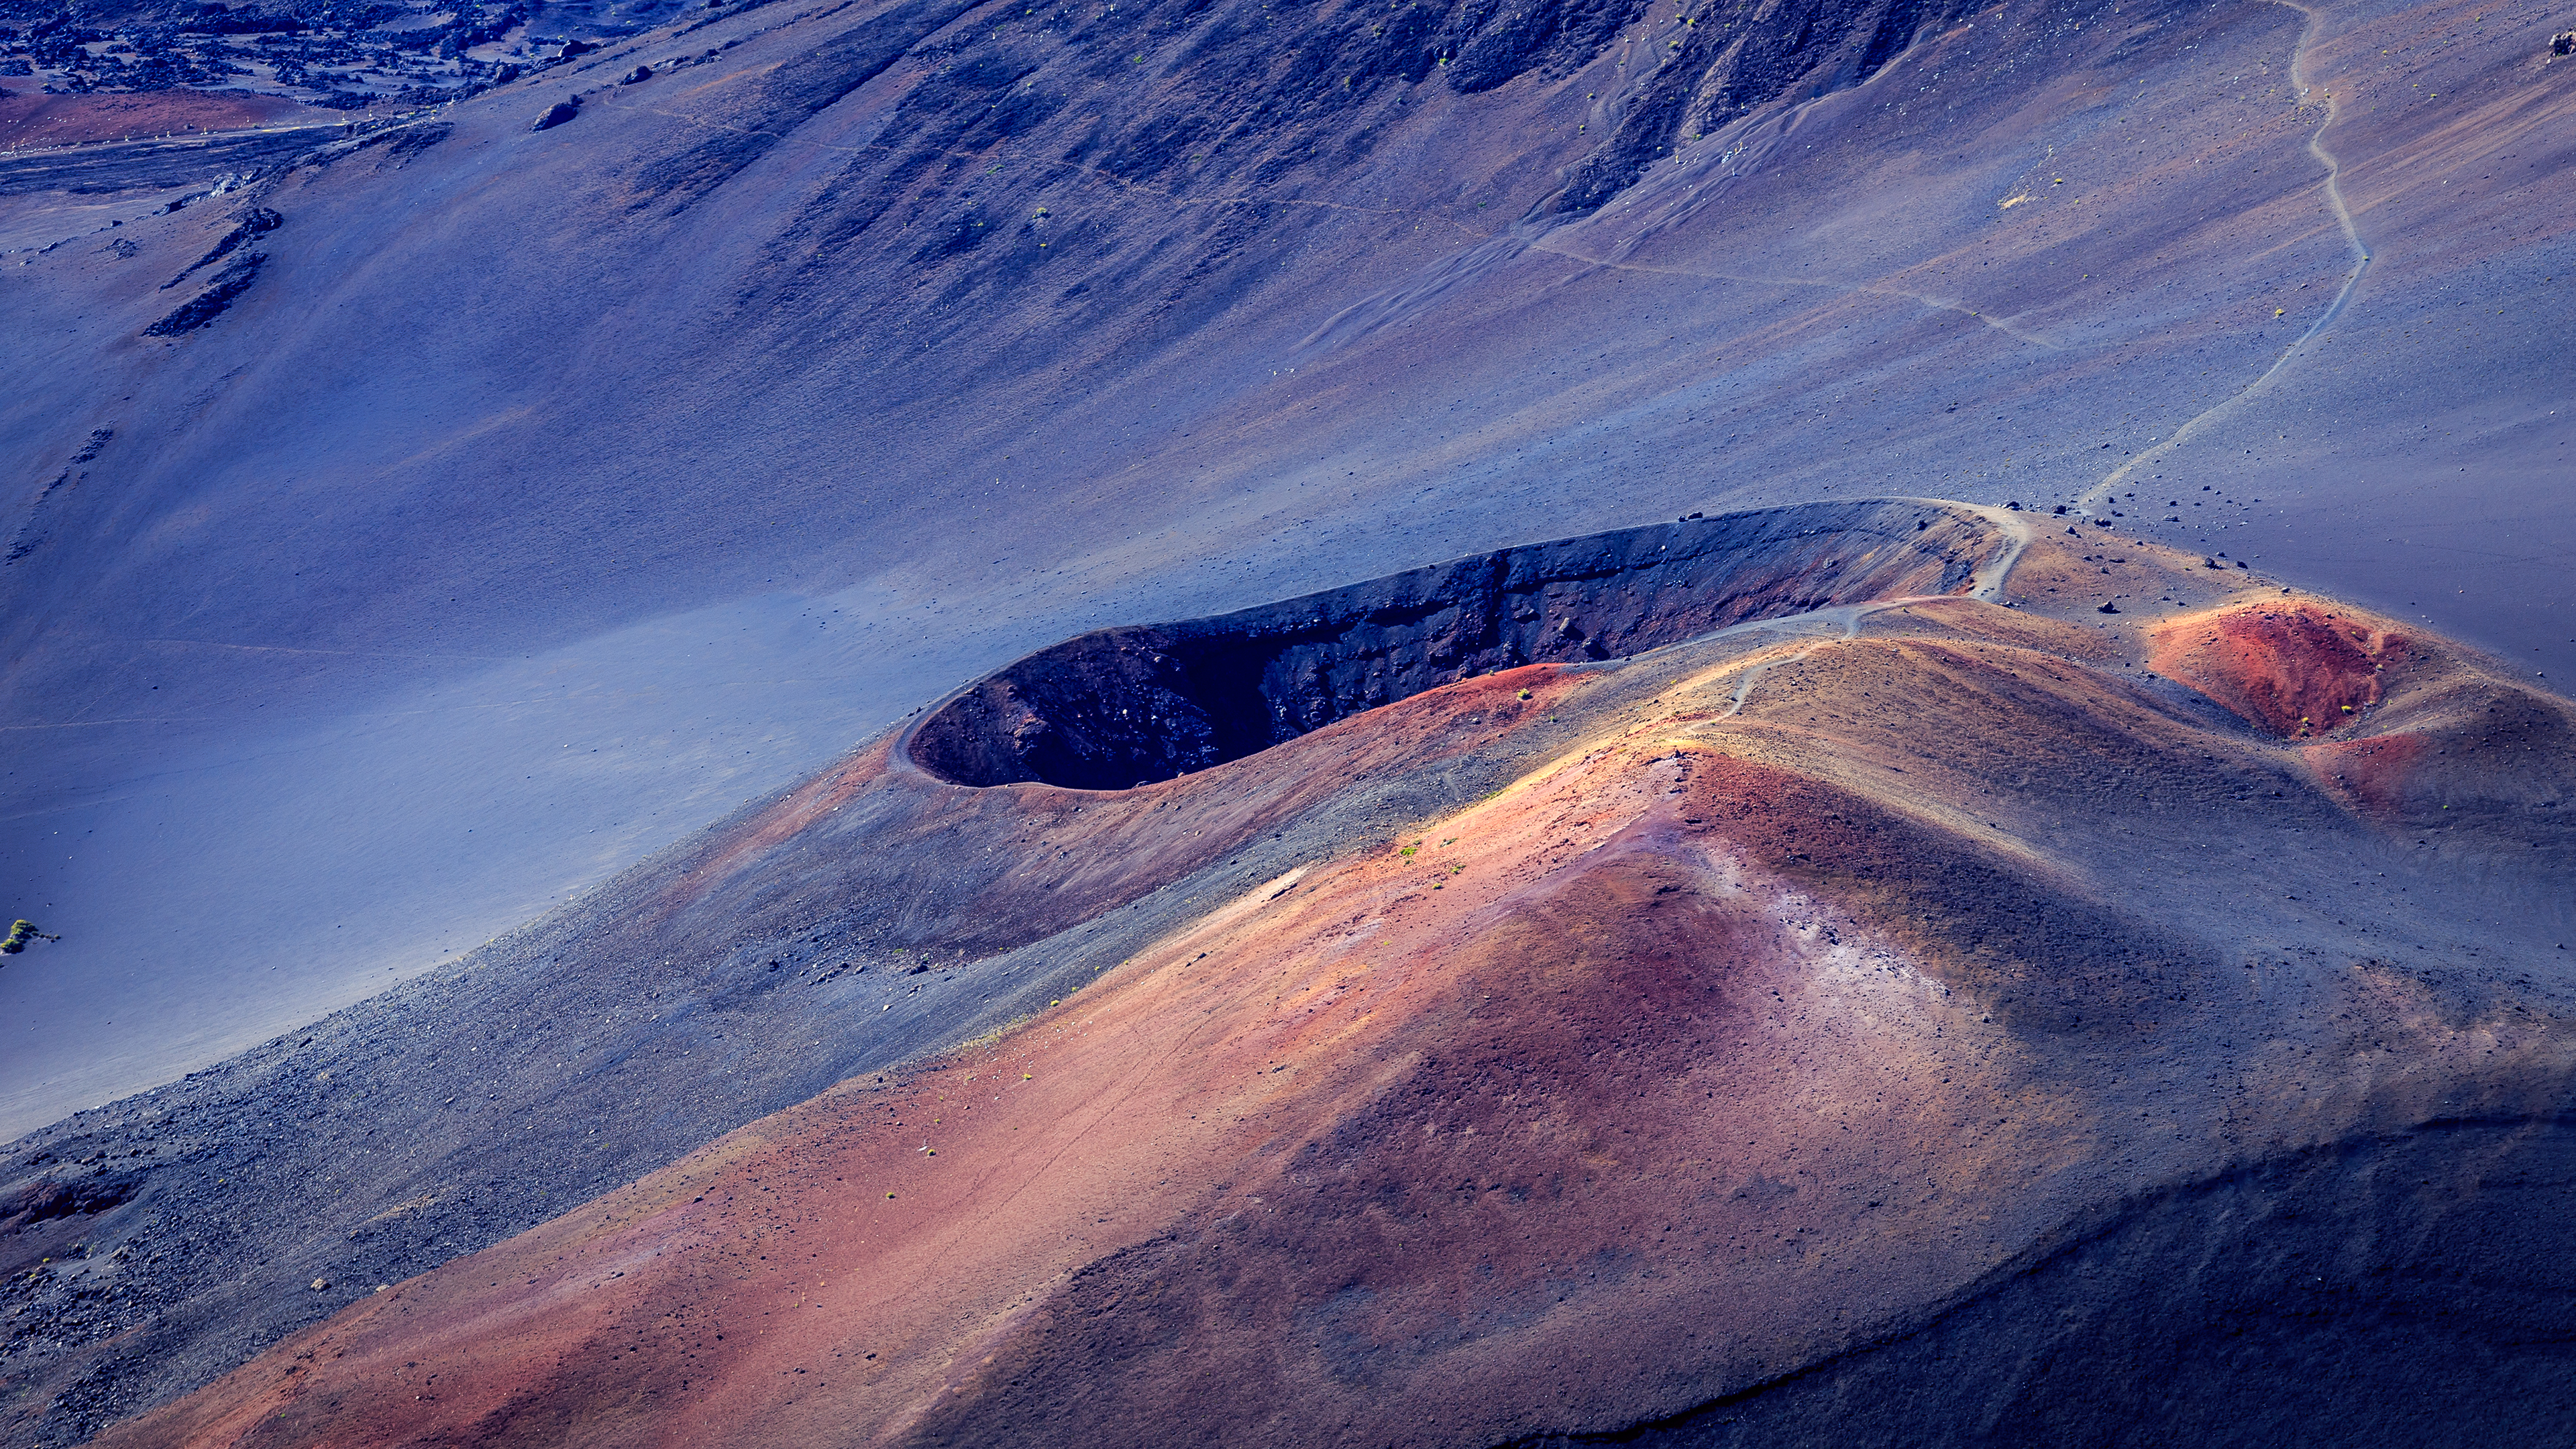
<point x="556" y="115"/>
<point x="2563" y="43"/>
<point x="572" y="48"/>
<point x="2108" y="609"/>
<point x="319" y="1284"/>
<point x="637" y="75"/>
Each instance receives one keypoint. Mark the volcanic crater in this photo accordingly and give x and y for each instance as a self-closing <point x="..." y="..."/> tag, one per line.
<point x="1117" y="708"/>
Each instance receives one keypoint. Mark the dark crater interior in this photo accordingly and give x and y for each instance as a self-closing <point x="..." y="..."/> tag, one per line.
<point x="1123" y="707"/>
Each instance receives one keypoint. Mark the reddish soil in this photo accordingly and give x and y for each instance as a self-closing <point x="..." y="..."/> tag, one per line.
<point x="1428" y="1141"/>
<point x="2298" y="668"/>
<point x="2376" y="774"/>
<point x="42" y="120"/>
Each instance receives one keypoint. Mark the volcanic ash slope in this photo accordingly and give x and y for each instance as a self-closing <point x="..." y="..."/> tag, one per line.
<point x="1919" y="1022"/>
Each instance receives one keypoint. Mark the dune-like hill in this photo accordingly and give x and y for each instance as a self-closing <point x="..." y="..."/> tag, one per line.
<point x="1876" y="1017"/>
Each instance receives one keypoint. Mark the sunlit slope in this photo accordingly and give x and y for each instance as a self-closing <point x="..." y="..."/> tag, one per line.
<point x="846" y="926"/>
<point x="1834" y="991"/>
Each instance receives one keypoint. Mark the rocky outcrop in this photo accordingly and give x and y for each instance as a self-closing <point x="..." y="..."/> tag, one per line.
<point x="257" y="221"/>
<point x="206" y="306"/>
<point x="1716" y="66"/>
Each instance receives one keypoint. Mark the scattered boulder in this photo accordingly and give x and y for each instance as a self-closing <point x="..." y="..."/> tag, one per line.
<point x="557" y="114"/>
<point x="2108" y="608"/>
<point x="2563" y="43"/>
<point x="572" y="48"/>
<point x="636" y="76"/>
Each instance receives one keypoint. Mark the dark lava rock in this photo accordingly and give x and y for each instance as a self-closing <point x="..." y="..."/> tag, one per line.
<point x="258" y="221"/>
<point x="211" y="303"/>
<point x="50" y="1197"/>
<point x="2108" y="609"/>
<point x="556" y="115"/>
<point x="636" y="76"/>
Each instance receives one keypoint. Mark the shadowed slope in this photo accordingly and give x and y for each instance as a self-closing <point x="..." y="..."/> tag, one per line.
<point x="1829" y="996"/>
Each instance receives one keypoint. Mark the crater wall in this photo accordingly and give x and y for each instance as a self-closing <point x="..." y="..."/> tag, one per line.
<point x="1121" y="707"/>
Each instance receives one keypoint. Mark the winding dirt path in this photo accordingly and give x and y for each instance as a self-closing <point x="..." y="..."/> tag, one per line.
<point x="2098" y="496"/>
<point x="1985" y="585"/>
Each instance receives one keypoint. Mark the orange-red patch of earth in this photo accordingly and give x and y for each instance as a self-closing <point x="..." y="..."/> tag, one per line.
<point x="2294" y="668"/>
<point x="42" y="120"/>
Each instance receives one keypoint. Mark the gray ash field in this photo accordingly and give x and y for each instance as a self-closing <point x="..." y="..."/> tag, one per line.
<point x="429" y="532"/>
